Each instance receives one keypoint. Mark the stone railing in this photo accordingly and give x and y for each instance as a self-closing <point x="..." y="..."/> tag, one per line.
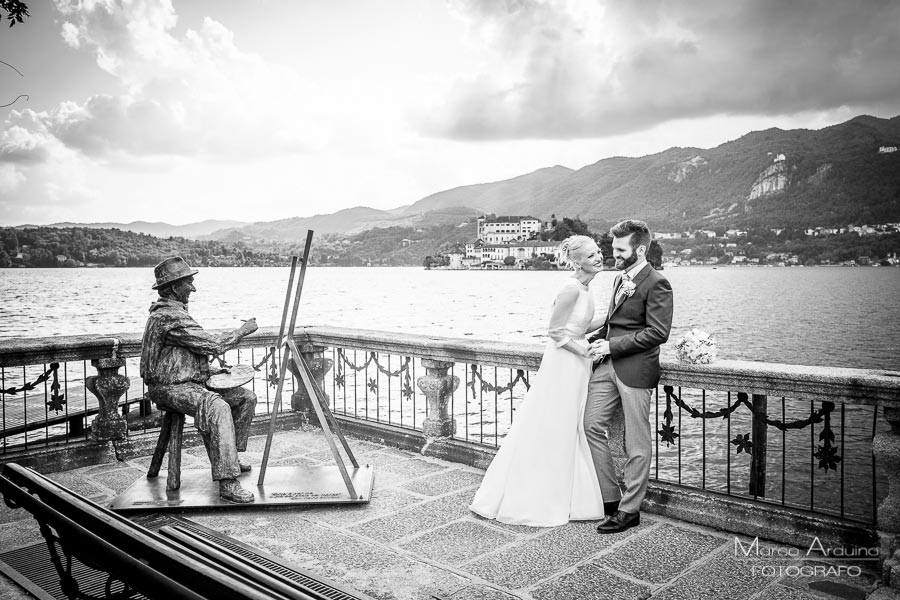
<point x="408" y="390"/>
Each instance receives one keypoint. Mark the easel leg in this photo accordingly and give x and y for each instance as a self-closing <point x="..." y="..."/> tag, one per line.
<point x="321" y="407"/>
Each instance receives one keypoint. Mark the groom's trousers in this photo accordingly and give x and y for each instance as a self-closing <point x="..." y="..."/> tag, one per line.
<point x="605" y="394"/>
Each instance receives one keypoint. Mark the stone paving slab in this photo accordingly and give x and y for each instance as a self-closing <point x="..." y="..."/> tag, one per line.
<point x="118" y="480"/>
<point x="724" y="576"/>
<point x="9" y="590"/>
<point x="360" y="449"/>
<point x="417" y="518"/>
<point x="21" y="533"/>
<point x="525" y="563"/>
<point x="458" y="542"/>
<point x="673" y="550"/>
<point x="403" y="470"/>
<point x="383" y="503"/>
<point x="9" y="515"/>
<point x="481" y="592"/>
<point x="363" y="565"/>
<point x="590" y="582"/>
<point x="839" y="581"/>
<point x="780" y="592"/>
<point x="79" y="482"/>
<point x="443" y="482"/>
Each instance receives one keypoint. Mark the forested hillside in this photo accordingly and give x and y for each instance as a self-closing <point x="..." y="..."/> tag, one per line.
<point x="82" y="246"/>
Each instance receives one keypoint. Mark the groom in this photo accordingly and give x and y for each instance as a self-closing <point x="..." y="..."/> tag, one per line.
<point x="627" y="348"/>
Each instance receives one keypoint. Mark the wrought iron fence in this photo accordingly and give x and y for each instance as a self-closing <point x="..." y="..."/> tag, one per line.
<point x="793" y="436"/>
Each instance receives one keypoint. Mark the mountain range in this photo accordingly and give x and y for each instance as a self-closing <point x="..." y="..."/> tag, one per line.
<point x="838" y="175"/>
<point x="157" y="228"/>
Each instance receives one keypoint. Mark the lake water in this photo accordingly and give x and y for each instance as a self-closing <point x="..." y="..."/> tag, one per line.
<point x="815" y="316"/>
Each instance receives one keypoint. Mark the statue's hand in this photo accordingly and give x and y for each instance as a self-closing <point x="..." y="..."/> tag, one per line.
<point x="249" y="327"/>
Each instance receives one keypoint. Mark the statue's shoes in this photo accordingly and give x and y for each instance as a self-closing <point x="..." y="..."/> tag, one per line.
<point x="245" y="467"/>
<point x="231" y="490"/>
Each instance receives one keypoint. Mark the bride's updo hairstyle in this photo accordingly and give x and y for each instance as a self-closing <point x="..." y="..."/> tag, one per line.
<point x="564" y="252"/>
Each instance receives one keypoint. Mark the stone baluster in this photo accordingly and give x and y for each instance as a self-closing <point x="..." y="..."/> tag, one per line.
<point x="108" y="386"/>
<point x="886" y="448"/>
<point x="319" y="366"/>
<point x="438" y="387"/>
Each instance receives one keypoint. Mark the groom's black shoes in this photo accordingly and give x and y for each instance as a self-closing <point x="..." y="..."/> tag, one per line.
<point x="619" y="522"/>
<point x="610" y="508"/>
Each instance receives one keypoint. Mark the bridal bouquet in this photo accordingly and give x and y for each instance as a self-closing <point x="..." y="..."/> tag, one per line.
<point x="696" y="347"/>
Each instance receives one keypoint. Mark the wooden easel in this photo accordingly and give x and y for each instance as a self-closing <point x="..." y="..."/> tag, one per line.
<point x="292" y="360"/>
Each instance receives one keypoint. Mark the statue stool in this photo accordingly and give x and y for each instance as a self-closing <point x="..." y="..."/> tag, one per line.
<point x="170" y="437"/>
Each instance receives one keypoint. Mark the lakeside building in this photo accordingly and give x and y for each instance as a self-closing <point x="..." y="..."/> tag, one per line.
<point x="498" y="238"/>
<point x="521" y="251"/>
<point x="499" y="230"/>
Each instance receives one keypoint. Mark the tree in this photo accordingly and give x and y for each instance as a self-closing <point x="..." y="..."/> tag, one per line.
<point x="40" y="257"/>
<point x="509" y="261"/>
<point x="16" y="12"/>
<point x="655" y="254"/>
<point x="11" y="243"/>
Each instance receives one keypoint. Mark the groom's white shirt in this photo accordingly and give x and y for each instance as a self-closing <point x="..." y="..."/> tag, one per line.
<point x="636" y="268"/>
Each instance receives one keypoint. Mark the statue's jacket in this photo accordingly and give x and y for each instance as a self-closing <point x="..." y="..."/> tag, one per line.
<point x="176" y="348"/>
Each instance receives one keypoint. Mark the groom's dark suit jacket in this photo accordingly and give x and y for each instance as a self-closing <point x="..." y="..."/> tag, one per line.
<point x="637" y="326"/>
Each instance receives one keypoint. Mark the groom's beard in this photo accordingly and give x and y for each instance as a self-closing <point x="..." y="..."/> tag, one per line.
<point x="624" y="263"/>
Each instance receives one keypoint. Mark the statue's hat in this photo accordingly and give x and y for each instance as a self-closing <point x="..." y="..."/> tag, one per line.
<point x="171" y="269"/>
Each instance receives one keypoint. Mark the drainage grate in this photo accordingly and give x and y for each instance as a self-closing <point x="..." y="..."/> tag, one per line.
<point x="270" y="562"/>
<point x="32" y="568"/>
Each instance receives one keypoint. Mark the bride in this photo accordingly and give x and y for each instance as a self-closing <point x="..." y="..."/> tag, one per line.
<point x="543" y="474"/>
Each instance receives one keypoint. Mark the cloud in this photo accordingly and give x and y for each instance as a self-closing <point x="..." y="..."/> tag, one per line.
<point x="10" y="178"/>
<point x="562" y="69"/>
<point x="195" y="94"/>
<point x="27" y="143"/>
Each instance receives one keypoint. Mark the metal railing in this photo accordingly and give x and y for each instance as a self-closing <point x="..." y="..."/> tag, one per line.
<point x="794" y="436"/>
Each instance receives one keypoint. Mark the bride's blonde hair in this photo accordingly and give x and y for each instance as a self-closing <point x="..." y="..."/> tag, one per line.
<point x="564" y="251"/>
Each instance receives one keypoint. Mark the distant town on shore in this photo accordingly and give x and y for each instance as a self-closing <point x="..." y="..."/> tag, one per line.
<point x="465" y="242"/>
<point x="524" y="242"/>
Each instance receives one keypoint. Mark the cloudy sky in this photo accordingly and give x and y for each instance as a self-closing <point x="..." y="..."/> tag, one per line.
<point x="258" y="110"/>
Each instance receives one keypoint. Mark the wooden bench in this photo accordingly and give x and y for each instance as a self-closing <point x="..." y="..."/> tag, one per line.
<point x="176" y="562"/>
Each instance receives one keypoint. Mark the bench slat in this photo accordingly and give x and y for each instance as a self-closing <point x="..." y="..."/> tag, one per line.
<point x="160" y="556"/>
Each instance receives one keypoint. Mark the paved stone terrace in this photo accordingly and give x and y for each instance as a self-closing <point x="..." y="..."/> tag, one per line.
<point x="416" y="539"/>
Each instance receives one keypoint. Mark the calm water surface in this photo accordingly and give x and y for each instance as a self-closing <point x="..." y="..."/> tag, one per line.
<point x="816" y="316"/>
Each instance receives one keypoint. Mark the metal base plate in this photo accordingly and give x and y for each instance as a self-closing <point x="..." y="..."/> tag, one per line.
<point x="284" y="486"/>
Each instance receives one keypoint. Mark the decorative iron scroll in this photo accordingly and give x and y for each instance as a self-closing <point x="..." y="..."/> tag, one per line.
<point x="488" y="387"/>
<point x="826" y="454"/>
<point x="57" y="401"/>
<point x="340" y="378"/>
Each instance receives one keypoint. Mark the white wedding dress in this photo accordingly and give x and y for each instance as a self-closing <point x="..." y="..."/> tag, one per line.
<point x="543" y="474"/>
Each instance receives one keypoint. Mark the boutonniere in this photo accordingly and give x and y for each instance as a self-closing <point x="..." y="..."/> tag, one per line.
<point x="628" y="288"/>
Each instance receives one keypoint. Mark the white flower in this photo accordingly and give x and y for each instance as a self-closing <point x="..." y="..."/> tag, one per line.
<point x="696" y="347"/>
<point x="628" y="288"/>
